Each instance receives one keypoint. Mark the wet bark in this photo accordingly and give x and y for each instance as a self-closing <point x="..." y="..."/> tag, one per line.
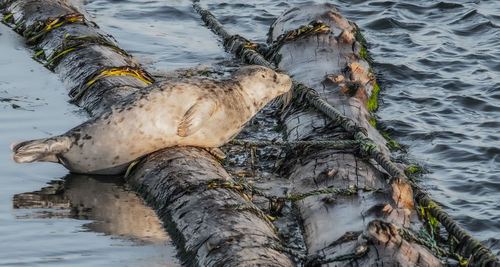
<point x="362" y="225"/>
<point x="210" y="225"/>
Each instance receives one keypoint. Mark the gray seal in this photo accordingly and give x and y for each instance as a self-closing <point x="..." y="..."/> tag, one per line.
<point x="187" y="112"/>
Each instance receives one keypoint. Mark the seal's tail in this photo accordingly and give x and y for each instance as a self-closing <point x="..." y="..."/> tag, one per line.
<point x="40" y="150"/>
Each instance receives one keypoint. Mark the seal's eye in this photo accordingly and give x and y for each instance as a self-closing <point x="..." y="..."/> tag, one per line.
<point x="263" y="76"/>
<point x="275" y="77"/>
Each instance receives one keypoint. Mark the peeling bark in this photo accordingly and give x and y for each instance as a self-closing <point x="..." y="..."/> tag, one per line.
<point x="208" y="225"/>
<point x="215" y="225"/>
<point x="331" y="64"/>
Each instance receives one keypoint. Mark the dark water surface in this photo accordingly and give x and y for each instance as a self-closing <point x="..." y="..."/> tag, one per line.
<point x="83" y="221"/>
<point x="438" y="62"/>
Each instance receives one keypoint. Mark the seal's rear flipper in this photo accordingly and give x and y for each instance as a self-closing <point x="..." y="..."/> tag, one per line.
<point x="40" y="150"/>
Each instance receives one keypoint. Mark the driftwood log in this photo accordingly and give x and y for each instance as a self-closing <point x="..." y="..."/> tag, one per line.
<point x="344" y="81"/>
<point x="353" y="223"/>
<point x="351" y="227"/>
<point x="348" y="213"/>
<point x="204" y="223"/>
<point x="464" y="247"/>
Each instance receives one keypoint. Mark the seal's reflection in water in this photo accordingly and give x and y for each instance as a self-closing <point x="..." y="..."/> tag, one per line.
<point x="114" y="209"/>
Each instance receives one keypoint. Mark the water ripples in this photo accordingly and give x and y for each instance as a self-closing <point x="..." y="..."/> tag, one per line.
<point x="441" y="98"/>
<point x="438" y="61"/>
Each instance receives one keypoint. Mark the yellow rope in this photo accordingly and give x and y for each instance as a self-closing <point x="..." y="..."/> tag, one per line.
<point x="121" y="71"/>
<point x="127" y="71"/>
<point x="57" y="22"/>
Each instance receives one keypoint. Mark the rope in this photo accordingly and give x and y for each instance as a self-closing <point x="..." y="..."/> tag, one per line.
<point x="339" y="144"/>
<point x="33" y="34"/>
<point x="120" y="71"/>
<point x="8" y="18"/>
<point x="411" y="237"/>
<point x="316" y="260"/>
<point x="332" y="190"/>
<point x="313" y="28"/>
<point x="288" y="251"/>
<point x="471" y="246"/>
<point x="74" y="43"/>
<point x="255" y="210"/>
<point x="232" y="42"/>
<point x="345" y="257"/>
<point x="246" y="189"/>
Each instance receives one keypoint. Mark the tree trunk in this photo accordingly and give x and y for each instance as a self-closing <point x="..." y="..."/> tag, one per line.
<point x="209" y="224"/>
<point x="362" y="226"/>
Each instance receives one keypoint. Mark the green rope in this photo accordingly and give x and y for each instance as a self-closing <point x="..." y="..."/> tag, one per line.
<point x="39" y="55"/>
<point x="288" y="251"/>
<point x="332" y="190"/>
<point x="8" y="18"/>
<point x="74" y="43"/>
<point x="235" y="44"/>
<point x="34" y="33"/>
<point x="344" y="257"/>
<point x="247" y="188"/>
<point x="315" y="260"/>
<point x="131" y="71"/>
<point x="339" y="144"/>
<point x="411" y="237"/>
<point x="315" y="27"/>
<point x="255" y="210"/>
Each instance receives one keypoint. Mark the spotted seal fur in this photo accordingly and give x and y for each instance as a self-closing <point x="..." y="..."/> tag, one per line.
<point x="187" y="112"/>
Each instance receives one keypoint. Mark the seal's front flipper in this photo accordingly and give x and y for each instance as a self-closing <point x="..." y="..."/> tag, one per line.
<point x="195" y="116"/>
<point x="45" y="149"/>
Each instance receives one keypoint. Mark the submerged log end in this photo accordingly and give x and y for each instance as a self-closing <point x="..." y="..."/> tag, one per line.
<point x="388" y="248"/>
<point x="185" y="185"/>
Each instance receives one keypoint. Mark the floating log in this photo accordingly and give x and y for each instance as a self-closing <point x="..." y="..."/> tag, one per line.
<point x="350" y="93"/>
<point x="210" y="226"/>
<point x="339" y="73"/>
<point x="347" y="224"/>
<point x="345" y="229"/>
<point x="350" y="216"/>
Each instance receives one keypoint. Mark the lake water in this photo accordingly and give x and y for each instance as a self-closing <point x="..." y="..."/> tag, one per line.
<point x="438" y="64"/>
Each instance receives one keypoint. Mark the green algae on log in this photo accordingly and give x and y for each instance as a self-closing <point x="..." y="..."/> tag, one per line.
<point x="221" y="226"/>
<point x="217" y="234"/>
<point x="374" y="215"/>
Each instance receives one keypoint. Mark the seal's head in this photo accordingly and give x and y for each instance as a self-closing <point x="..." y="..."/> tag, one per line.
<point x="263" y="84"/>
